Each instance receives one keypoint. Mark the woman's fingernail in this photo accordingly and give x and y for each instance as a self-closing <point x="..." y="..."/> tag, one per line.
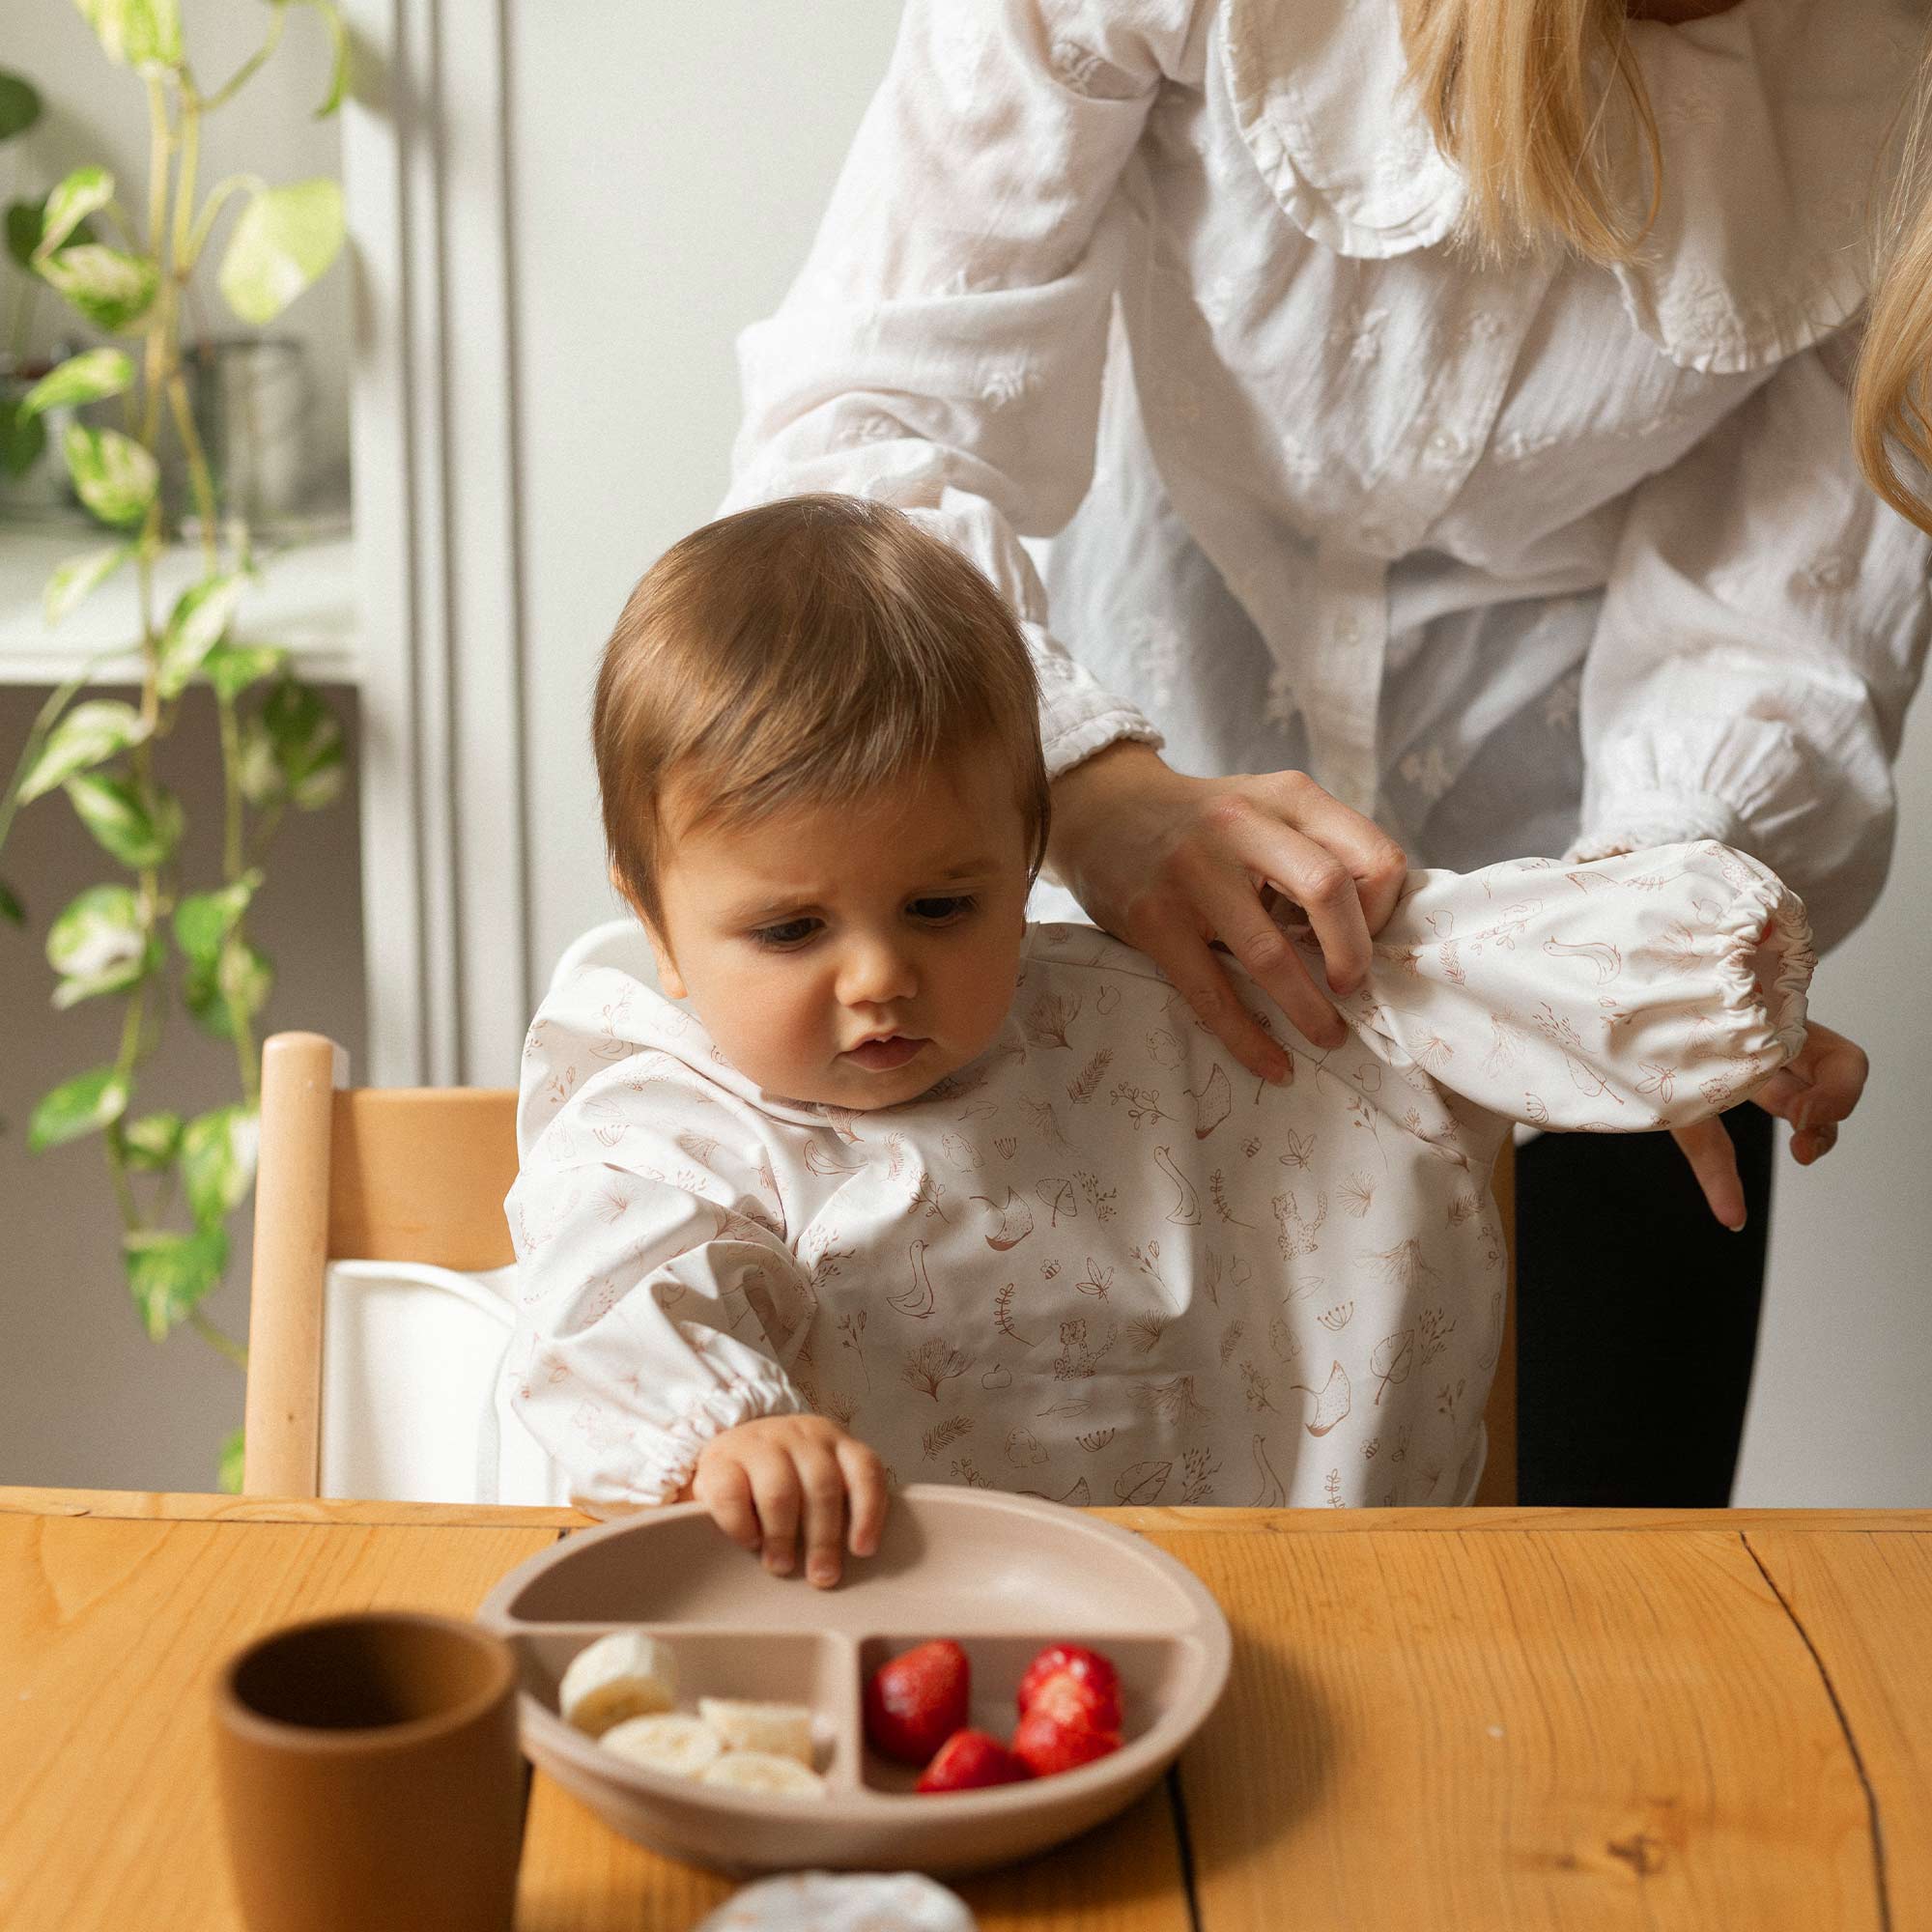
<point x="823" y="1574"/>
<point x="1737" y="1227"/>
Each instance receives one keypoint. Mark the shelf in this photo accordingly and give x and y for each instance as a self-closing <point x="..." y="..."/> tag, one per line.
<point x="307" y="604"/>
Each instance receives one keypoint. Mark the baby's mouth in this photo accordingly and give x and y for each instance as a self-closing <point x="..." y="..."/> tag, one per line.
<point x="881" y="1056"/>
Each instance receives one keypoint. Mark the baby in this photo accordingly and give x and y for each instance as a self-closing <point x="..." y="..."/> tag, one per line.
<point x="857" y="1211"/>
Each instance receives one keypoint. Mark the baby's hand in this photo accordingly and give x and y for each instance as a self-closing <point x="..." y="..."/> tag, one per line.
<point x="765" y="1480"/>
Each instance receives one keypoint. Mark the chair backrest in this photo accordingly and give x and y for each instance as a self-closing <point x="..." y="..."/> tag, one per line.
<point x="418" y="1174"/>
<point x="369" y="1173"/>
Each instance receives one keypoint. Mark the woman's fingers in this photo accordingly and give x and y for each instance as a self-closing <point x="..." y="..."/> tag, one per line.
<point x="1319" y="882"/>
<point x="1713" y="1160"/>
<point x="1197" y="974"/>
<point x="724" y="1488"/>
<point x="1821" y="1087"/>
<point x="1377" y="864"/>
<point x="866" y="1495"/>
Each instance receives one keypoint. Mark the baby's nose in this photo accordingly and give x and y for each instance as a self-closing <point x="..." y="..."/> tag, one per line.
<point x="874" y="974"/>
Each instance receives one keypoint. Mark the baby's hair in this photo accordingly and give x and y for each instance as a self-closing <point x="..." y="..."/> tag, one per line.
<point x="804" y="653"/>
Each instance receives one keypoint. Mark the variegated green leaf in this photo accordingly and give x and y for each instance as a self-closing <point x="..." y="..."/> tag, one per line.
<point x="219" y="1161"/>
<point x="112" y="811"/>
<point x="82" y="1105"/>
<point x="152" y="1143"/>
<point x="233" y="1461"/>
<point x="116" y="477"/>
<point x="202" y="921"/>
<point x="78" y="196"/>
<point x="79" y="577"/>
<point x="231" y="668"/>
<point x="170" y="1275"/>
<point x="307" y="738"/>
<point x="257" y="770"/>
<point x="98" y="933"/>
<point x="286" y="238"/>
<point x="111" y="288"/>
<point x="242" y="970"/>
<point x="24" y="230"/>
<point x="81" y="379"/>
<point x="23" y="437"/>
<point x="20" y="104"/>
<point x="88" y="735"/>
<point x="136" y="31"/>
<point x="11" y="908"/>
<point x="194" y="628"/>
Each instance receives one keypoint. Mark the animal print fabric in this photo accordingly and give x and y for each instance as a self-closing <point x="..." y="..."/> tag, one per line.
<point x="1102" y="1262"/>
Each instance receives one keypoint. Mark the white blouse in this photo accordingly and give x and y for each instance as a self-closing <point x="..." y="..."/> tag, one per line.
<point x="1101" y="1261"/>
<point x="1547" y="557"/>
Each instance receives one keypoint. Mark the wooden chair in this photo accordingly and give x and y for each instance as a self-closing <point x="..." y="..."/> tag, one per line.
<point x="402" y="1173"/>
<point x="412" y="1174"/>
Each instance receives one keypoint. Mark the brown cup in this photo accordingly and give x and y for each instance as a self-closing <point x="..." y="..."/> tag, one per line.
<point x="370" y="1777"/>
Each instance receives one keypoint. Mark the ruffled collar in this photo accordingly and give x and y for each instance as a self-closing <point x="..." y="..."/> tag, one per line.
<point x="1772" y="117"/>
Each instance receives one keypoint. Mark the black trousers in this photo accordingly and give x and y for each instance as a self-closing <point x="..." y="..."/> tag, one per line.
<point x="1637" y="1318"/>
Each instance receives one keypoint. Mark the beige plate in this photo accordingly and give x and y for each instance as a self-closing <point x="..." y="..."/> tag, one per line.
<point x="1003" y="1575"/>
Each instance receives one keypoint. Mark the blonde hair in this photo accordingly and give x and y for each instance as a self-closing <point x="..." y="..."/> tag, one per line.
<point x="1891" y="393"/>
<point x="1537" y="101"/>
<point x="804" y="652"/>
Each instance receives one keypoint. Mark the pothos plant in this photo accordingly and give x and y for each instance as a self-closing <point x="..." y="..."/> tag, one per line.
<point x="125" y="263"/>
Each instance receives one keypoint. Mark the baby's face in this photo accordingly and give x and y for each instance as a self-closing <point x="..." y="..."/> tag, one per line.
<point x="853" y="954"/>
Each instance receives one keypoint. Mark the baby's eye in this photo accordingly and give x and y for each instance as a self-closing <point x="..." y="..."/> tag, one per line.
<point x="792" y="932"/>
<point x="938" y="911"/>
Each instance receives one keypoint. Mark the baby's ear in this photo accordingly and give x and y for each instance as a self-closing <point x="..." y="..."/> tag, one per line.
<point x="670" y="979"/>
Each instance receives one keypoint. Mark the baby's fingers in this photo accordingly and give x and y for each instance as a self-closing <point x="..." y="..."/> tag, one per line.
<point x="866" y="1495"/>
<point x="724" y="1488"/>
<point x="823" y="1483"/>
<point x="774" y="1489"/>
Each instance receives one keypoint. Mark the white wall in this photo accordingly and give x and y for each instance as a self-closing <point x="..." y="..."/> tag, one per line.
<point x="669" y="168"/>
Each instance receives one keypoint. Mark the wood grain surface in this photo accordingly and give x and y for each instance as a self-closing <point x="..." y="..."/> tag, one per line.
<point x="112" y="1632"/>
<point x="1468" y="1718"/>
<point x="1518" y="1729"/>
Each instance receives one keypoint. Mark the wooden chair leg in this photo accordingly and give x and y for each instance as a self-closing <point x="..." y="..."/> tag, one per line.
<point x="1498" y="1488"/>
<point x="282" y="1425"/>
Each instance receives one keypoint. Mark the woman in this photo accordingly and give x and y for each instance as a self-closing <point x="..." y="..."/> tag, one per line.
<point x="1439" y="406"/>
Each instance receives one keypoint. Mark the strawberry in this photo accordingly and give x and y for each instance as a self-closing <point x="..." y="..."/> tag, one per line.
<point x="915" y="1701"/>
<point x="1046" y="1745"/>
<point x="969" y="1760"/>
<point x="1095" y="1680"/>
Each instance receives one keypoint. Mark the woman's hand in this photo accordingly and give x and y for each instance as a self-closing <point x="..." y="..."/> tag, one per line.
<point x="1171" y="863"/>
<point x="1814" y="1092"/>
<point x="765" y="1481"/>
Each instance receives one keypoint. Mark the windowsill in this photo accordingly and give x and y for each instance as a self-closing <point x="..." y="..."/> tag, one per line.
<point x="305" y="603"/>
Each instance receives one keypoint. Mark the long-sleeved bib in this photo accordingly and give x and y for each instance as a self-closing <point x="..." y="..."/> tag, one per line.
<point x="1102" y="1261"/>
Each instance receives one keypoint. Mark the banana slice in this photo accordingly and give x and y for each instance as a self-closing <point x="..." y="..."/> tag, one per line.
<point x="761" y="1770"/>
<point x="669" y="1742"/>
<point x="778" y="1730"/>
<point x="626" y="1674"/>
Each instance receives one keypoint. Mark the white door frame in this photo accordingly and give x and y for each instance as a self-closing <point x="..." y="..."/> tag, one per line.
<point x="446" y="843"/>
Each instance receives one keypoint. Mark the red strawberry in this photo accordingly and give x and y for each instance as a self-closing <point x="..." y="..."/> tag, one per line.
<point x="1046" y="1745"/>
<point x="968" y="1760"/>
<point x="1076" y="1703"/>
<point x="915" y="1701"/>
<point x="1099" y="1682"/>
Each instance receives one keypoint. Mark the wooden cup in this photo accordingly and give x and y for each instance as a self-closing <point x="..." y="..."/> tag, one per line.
<point x="370" y="1777"/>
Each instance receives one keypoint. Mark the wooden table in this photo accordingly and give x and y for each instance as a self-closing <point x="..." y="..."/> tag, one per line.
<point x="1468" y="1718"/>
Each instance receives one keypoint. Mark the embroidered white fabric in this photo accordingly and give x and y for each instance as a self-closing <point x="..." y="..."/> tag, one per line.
<point x="1545" y="557"/>
<point x="1102" y="1262"/>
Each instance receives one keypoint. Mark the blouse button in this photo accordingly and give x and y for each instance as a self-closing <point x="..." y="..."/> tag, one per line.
<point x="1445" y="444"/>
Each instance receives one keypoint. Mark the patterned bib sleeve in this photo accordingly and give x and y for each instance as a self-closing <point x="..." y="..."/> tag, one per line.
<point x="658" y="1299"/>
<point x="1647" y="990"/>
